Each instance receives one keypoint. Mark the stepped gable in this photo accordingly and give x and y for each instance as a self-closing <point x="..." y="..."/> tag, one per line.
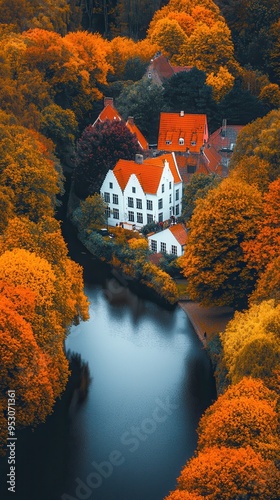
<point x="149" y="172"/>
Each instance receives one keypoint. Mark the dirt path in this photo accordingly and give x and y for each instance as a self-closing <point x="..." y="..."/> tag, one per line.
<point x="206" y="319"/>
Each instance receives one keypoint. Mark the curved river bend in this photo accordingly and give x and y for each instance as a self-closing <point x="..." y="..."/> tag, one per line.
<point x="151" y="381"/>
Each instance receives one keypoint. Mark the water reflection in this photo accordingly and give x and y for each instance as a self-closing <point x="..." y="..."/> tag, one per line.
<point x="127" y="422"/>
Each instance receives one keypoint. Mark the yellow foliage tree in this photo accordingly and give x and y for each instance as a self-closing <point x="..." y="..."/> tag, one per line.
<point x="221" y="82"/>
<point x="45" y="239"/>
<point x="251" y="344"/>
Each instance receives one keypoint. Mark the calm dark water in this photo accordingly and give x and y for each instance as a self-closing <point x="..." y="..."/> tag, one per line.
<point x="128" y="440"/>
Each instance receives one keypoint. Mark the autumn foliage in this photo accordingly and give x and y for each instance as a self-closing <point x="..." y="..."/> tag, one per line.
<point x="220" y="472"/>
<point x="214" y="262"/>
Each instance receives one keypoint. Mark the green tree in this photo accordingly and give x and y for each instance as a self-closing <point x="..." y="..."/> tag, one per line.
<point x="97" y="151"/>
<point x="198" y="187"/>
<point x="60" y="125"/>
<point x="260" y="139"/>
<point x="91" y="214"/>
<point x="240" y="106"/>
<point x="188" y="91"/>
<point x="213" y="262"/>
<point x="144" y="101"/>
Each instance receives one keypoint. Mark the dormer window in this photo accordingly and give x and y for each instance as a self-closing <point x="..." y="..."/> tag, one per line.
<point x="181" y="141"/>
<point x="168" y="142"/>
<point x="193" y="143"/>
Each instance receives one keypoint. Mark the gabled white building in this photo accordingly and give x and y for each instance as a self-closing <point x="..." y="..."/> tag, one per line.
<point x="142" y="191"/>
<point x="171" y="240"/>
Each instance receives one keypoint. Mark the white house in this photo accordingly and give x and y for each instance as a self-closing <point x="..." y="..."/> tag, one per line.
<point x="142" y="191"/>
<point x="171" y="240"/>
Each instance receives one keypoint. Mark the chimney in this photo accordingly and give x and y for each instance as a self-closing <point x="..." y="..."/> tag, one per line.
<point x="108" y="100"/>
<point x="224" y="128"/>
<point x="139" y="159"/>
<point x="130" y="120"/>
<point x="182" y="113"/>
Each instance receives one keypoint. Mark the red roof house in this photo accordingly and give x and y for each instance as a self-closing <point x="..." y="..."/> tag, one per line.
<point x="109" y="112"/>
<point x="180" y="132"/>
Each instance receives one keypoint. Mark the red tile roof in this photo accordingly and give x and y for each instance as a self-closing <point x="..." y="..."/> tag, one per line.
<point x="148" y="173"/>
<point x="109" y="113"/>
<point x="163" y="67"/>
<point x="180" y="233"/>
<point x="135" y="130"/>
<point x="192" y="129"/>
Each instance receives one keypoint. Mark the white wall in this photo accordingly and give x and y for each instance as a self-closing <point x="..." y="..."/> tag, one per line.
<point x="115" y="189"/>
<point x="168" y="238"/>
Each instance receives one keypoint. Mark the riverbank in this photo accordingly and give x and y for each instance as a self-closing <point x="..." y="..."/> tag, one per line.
<point x="207" y="320"/>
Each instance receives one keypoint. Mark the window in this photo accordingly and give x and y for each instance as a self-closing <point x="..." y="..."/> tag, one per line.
<point x="193" y="143"/>
<point x="116" y="214"/>
<point x="115" y="199"/>
<point x="160" y="203"/>
<point x="139" y="217"/>
<point x="170" y="185"/>
<point x="163" y="247"/>
<point x="162" y="188"/>
<point x="149" y="205"/>
<point x="149" y="219"/>
<point x="107" y="197"/>
<point x="134" y="190"/>
<point x="138" y="203"/>
<point x="160" y="217"/>
<point x="168" y="143"/>
<point x="110" y="185"/>
<point x="181" y="141"/>
<point x="107" y="212"/>
<point x="177" y="210"/>
<point x="173" y="249"/>
<point x="170" y="198"/>
<point x="131" y="216"/>
<point x="130" y="202"/>
<point x="154" y="245"/>
<point x="191" y="169"/>
<point x="177" y="194"/>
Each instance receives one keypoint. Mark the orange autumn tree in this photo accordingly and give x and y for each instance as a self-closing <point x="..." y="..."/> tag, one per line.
<point x="266" y="245"/>
<point x="183" y="495"/>
<point x="24" y="367"/>
<point x="268" y="284"/>
<point x="25" y="269"/>
<point x="200" y="37"/>
<point x="213" y="262"/>
<point x="28" y="169"/>
<point x="45" y="239"/>
<point x="239" y="420"/>
<point x="223" y="473"/>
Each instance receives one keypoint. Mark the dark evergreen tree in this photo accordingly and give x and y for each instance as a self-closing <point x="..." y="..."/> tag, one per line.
<point x="240" y="107"/>
<point x="144" y="101"/>
<point x="189" y="92"/>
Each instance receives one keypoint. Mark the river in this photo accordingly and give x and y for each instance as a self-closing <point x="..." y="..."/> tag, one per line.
<point x="150" y="383"/>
